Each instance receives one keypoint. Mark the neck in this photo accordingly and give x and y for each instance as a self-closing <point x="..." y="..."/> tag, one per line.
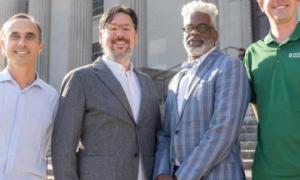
<point x="193" y="58"/>
<point x="283" y="31"/>
<point x="125" y="62"/>
<point x="24" y="76"/>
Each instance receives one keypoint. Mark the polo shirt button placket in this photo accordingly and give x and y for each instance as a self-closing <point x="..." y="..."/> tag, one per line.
<point x="277" y="59"/>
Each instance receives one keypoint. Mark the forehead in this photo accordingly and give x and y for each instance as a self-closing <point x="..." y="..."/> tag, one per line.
<point x="197" y="18"/>
<point x="21" y="26"/>
<point x="122" y="19"/>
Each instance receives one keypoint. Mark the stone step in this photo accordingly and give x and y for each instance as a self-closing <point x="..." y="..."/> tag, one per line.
<point x="247" y="164"/>
<point x="249" y="129"/>
<point x="50" y="177"/>
<point x="248" y="137"/>
<point x="247" y="154"/>
<point x="249" y="121"/>
<point x="245" y="145"/>
<point x="250" y="117"/>
<point x="248" y="174"/>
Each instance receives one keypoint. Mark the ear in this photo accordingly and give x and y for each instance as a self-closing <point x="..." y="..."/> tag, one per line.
<point x="136" y="38"/>
<point x="41" y="47"/>
<point x="2" y="48"/>
<point x="1" y="44"/>
<point x="215" y="35"/>
<point x="100" y="33"/>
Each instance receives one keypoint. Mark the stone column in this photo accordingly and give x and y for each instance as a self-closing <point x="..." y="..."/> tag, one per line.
<point x="71" y="37"/>
<point x="40" y="9"/>
<point x="140" y="52"/>
<point x="80" y="33"/>
<point x="7" y="9"/>
<point x="235" y="23"/>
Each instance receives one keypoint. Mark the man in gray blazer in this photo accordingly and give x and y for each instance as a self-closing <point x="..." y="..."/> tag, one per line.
<point x="108" y="112"/>
<point x="205" y="107"/>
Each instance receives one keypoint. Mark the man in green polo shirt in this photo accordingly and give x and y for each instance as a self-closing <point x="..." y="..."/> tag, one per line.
<point x="273" y="66"/>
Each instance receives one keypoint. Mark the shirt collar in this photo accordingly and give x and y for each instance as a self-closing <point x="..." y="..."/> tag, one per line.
<point x="294" y="36"/>
<point x="116" y="67"/>
<point x="6" y="76"/>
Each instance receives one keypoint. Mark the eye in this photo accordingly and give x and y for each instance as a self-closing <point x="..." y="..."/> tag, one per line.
<point x="126" y="28"/>
<point x="30" y="36"/>
<point x="188" y="28"/>
<point x="14" y="36"/>
<point x="112" y="28"/>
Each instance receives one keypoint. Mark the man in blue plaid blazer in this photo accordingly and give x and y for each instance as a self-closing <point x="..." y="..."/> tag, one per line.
<point x="205" y="107"/>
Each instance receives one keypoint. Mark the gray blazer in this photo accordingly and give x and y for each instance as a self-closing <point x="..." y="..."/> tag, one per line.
<point x="204" y="135"/>
<point x="94" y="111"/>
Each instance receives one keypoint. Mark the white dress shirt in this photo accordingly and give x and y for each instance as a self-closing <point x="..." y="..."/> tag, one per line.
<point x="26" y="120"/>
<point x="187" y="78"/>
<point x="131" y="86"/>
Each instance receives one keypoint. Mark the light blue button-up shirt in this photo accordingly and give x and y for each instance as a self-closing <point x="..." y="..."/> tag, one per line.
<point x="26" y="120"/>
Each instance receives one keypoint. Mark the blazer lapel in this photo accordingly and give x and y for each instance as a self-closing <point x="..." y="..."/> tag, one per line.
<point x="108" y="78"/>
<point x="174" y="86"/>
<point x="144" y="95"/>
<point x="203" y="68"/>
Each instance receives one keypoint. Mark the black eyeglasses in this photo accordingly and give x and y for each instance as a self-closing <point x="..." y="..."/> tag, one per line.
<point x="201" y="28"/>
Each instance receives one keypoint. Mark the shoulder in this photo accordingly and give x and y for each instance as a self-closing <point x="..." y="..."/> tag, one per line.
<point x="144" y="76"/>
<point x="224" y="61"/>
<point x="49" y="91"/>
<point x="255" y="47"/>
<point x="79" y="72"/>
<point x="254" y="52"/>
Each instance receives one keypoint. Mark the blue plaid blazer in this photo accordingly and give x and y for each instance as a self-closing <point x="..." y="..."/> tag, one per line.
<point x="204" y="136"/>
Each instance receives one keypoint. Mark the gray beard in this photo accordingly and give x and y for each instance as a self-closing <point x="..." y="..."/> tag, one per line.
<point x="198" y="51"/>
<point x="118" y="57"/>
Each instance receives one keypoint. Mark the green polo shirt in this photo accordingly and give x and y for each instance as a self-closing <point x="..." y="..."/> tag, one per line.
<point x="274" y="73"/>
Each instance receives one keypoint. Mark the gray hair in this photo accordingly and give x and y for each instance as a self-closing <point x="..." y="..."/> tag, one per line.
<point x="21" y="16"/>
<point x="203" y="7"/>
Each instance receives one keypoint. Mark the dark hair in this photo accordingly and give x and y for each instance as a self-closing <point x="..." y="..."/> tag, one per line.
<point x="109" y="14"/>
<point x="22" y="16"/>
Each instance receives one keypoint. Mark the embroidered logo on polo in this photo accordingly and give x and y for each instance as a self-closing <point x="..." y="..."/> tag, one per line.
<point x="294" y="55"/>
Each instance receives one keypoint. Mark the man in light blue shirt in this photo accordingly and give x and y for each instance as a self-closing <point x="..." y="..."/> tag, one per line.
<point x="27" y="104"/>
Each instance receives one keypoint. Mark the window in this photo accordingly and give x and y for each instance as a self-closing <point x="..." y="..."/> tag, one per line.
<point x="97" y="7"/>
<point x="97" y="51"/>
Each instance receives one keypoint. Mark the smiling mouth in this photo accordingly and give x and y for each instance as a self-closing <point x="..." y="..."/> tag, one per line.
<point x="120" y="42"/>
<point x="280" y="7"/>
<point x="195" y="43"/>
<point x="21" y="52"/>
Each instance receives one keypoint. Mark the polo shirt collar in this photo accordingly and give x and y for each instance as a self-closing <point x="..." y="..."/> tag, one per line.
<point x="269" y="38"/>
<point x="295" y="36"/>
<point x="6" y="76"/>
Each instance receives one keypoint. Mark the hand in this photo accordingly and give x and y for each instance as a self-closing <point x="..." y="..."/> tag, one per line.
<point x="164" y="177"/>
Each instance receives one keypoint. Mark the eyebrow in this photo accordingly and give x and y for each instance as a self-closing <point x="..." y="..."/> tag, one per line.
<point x="114" y="24"/>
<point x="27" y="33"/>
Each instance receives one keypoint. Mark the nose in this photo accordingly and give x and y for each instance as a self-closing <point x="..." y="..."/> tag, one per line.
<point x="120" y="32"/>
<point x="22" y="42"/>
<point x="194" y="31"/>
